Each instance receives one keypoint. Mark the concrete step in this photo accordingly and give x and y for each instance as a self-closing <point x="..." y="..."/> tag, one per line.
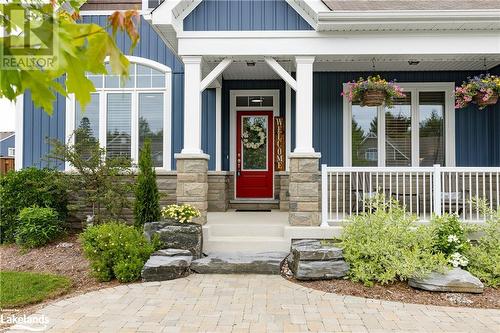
<point x="245" y="244"/>
<point x="250" y="230"/>
<point x="240" y="263"/>
<point x="254" y="205"/>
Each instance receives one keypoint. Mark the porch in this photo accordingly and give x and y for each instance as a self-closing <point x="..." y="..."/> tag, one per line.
<point x="423" y="191"/>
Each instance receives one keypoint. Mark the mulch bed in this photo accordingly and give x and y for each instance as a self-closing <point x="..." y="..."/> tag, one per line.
<point x="56" y="259"/>
<point x="401" y="292"/>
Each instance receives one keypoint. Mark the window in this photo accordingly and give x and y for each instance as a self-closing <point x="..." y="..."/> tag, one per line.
<point x="417" y="131"/>
<point x="122" y="114"/>
<point x="11" y="151"/>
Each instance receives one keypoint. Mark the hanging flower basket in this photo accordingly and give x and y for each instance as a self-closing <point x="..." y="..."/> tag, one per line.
<point x="374" y="91"/>
<point x="484" y="99"/>
<point x="482" y="90"/>
<point x="373" y="98"/>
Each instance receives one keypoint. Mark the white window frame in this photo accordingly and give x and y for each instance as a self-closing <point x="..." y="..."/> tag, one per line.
<point x="103" y="92"/>
<point x="414" y="88"/>
<point x="11" y="151"/>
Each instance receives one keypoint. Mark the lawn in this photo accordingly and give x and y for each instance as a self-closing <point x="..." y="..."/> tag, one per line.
<point x="22" y="288"/>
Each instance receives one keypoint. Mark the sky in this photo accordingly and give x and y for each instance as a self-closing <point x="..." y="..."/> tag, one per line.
<point x="7" y="116"/>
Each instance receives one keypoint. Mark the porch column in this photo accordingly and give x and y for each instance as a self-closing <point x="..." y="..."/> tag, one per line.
<point x="192" y="163"/>
<point x="192" y="105"/>
<point x="304" y="161"/>
<point x="304" y="106"/>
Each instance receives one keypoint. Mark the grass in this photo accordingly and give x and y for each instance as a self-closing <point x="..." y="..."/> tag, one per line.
<point x="22" y="288"/>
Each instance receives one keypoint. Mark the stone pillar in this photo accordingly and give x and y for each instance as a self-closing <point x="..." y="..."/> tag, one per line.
<point x="304" y="189"/>
<point x="192" y="182"/>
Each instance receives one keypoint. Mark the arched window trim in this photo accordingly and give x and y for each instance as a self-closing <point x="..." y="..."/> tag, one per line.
<point x="167" y="113"/>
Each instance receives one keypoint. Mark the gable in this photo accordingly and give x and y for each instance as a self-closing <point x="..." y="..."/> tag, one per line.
<point x="244" y="15"/>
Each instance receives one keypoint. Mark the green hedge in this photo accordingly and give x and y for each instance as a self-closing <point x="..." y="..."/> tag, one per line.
<point x="26" y="188"/>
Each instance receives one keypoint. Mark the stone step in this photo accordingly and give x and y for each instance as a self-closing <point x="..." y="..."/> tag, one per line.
<point x="240" y="263"/>
<point x="166" y="265"/>
<point x="245" y="244"/>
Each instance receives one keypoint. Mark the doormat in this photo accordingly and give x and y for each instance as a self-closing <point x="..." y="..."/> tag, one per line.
<point x="253" y="210"/>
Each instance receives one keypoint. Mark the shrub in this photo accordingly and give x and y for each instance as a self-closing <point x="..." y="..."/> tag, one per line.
<point x="38" y="226"/>
<point x="182" y="213"/>
<point x="116" y="250"/>
<point x="484" y="256"/>
<point x="100" y="180"/>
<point x="25" y="188"/>
<point x="450" y="238"/>
<point x="385" y="244"/>
<point x="147" y="205"/>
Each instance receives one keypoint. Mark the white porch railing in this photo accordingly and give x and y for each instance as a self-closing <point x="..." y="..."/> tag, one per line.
<point x="424" y="191"/>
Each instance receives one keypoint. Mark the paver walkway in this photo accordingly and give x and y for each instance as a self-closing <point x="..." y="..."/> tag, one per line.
<point x="251" y="303"/>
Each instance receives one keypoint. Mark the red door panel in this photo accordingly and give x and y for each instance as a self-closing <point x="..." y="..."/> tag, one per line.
<point x="254" y="154"/>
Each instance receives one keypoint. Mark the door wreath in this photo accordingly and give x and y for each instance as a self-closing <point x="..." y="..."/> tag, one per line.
<point x="254" y="137"/>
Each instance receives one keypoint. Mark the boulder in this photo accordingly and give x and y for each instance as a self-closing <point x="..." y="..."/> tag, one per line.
<point x="455" y="280"/>
<point x="314" y="259"/>
<point x="239" y="263"/>
<point x="172" y="234"/>
<point x="314" y="250"/>
<point x="163" y="267"/>
<point x="319" y="270"/>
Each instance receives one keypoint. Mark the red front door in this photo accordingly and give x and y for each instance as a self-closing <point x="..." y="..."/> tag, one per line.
<point x="254" y="154"/>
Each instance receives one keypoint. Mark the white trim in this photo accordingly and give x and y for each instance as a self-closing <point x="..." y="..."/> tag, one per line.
<point x="215" y="73"/>
<point x="218" y="128"/>
<point x="313" y="43"/>
<point x="11" y="151"/>
<point x="232" y="116"/>
<point x="275" y="66"/>
<point x="414" y="88"/>
<point x="19" y="132"/>
<point x="310" y="18"/>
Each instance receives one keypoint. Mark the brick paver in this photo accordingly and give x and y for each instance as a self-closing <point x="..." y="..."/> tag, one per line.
<point x="251" y="303"/>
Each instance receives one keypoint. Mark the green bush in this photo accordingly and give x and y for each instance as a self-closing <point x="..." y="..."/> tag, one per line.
<point x="38" y="226"/>
<point x="25" y="188"/>
<point x="484" y="256"/>
<point x="116" y="250"/>
<point x="385" y="244"/>
<point x="450" y="238"/>
<point x="147" y="197"/>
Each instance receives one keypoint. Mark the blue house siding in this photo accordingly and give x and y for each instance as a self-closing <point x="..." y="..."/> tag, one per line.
<point x="6" y="143"/>
<point x="38" y="126"/>
<point x="208" y="128"/>
<point x="477" y="144"/>
<point x="227" y="86"/>
<point x="244" y="15"/>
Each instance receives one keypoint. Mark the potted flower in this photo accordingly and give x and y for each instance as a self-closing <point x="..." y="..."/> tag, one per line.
<point x="482" y="90"/>
<point x="374" y="91"/>
<point x="180" y="213"/>
<point x="177" y="231"/>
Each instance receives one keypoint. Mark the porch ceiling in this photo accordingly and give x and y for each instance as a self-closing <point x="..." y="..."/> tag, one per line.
<point x="240" y="70"/>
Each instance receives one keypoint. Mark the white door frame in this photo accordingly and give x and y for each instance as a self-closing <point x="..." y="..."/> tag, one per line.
<point x="232" y="121"/>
